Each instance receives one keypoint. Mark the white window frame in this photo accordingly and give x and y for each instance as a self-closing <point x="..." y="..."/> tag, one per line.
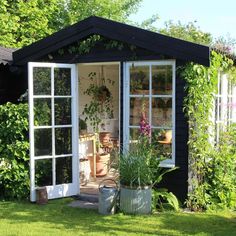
<point x="126" y="105"/>
<point x="223" y="114"/>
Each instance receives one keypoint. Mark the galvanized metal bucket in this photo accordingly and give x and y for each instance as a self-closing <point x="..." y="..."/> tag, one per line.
<point x="107" y="197"/>
<point x="136" y="201"/>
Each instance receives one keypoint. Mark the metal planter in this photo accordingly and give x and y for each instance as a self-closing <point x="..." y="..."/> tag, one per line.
<point x="136" y="201"/>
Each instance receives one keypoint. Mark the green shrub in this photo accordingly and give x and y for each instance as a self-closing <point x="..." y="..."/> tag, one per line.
<point x="221" y="172"/>
<point x="14" y="151"/>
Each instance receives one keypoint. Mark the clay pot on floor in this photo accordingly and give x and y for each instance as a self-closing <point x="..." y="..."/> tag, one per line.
<point x="102" y="164"/>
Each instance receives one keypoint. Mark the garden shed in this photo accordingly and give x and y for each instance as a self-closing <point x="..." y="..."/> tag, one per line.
<point x="136" y="67"/>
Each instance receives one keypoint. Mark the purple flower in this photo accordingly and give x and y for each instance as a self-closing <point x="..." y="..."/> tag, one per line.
<point x="144" y="127"/>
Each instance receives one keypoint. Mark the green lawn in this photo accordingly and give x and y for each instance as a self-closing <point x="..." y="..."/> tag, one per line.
<point x="56" y="218"/>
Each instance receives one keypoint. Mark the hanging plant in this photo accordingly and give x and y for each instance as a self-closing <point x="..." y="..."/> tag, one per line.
<point x="103" y="93"/>
<point x="101" y="103"/>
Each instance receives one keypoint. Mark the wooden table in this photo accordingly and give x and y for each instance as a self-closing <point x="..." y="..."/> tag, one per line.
<point x="87" y="138"/>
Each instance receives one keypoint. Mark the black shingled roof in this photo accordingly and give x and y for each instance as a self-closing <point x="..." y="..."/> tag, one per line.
<point x="6" y="55"/>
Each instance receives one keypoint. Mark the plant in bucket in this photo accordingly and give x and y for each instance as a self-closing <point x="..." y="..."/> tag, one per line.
<point x="139" y="171"/>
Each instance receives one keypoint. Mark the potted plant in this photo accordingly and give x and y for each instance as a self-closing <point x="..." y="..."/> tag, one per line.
<point x="139" y="171"/>
<point x="100" y="105"/>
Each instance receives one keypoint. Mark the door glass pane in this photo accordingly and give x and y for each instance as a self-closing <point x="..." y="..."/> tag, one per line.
<point x="162" y="112"/>
<point x="162" y="139"/>
<point x="63" y="170"/>
<point x="162" y="80"/>
<point x="137" y="105"/>
<point x="42" y="142"/>
<point x="63" y="141"/>
<point x="139" y="80"/>
<point x="43" y="172"/>
<point x="42" y="81"/>
<point x="62" y="81"/>
<point x="42" y="111"/>
<point x="62" y="111"/>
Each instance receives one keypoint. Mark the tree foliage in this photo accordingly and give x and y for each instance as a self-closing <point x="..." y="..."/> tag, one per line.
<point x="24" y="22"/>
<point x="190" y="32"/>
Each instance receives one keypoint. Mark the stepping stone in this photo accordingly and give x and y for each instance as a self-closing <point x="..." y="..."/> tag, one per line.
<point x="87" y="197"/>
<point x="84" y="204"/>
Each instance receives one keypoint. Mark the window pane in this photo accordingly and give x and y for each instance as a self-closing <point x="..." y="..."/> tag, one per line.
<point x="63" y="170"/>
<point x="42" y="111"/>
<point x="42" y="81"/>
<point x="63" y="141"/>
<point x="62" y="111"/>
<point x="139" y="80"/>
<point x="162" y="79"/>
<point x="62" y="81"/>
<point x="163" y="141"/>
<point x="134" y="136"/>
<point x="43" y="172"/>
<point x="43" y="142"/>
<point x="137" y="105"/>
<point x="223" y="108"/>
<point x="162" y="112"/>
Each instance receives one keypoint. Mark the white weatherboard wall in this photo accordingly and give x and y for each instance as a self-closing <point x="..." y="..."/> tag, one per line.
<point x="110" y="71"/>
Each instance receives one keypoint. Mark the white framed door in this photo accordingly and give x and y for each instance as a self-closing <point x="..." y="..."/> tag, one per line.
<point x="53" y="120"/>
<point x="149" y="86"/>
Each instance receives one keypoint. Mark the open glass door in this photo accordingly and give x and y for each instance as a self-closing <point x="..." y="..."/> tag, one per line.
<point x="53" y="129"/>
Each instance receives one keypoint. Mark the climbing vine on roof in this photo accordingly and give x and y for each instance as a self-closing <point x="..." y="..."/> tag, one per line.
<point x="85" y="46"/>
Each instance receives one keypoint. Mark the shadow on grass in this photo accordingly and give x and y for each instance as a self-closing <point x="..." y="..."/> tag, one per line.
<point x="57" y="215"/>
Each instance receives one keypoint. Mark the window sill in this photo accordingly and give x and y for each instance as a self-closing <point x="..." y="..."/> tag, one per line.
<point x="167" y="164"/>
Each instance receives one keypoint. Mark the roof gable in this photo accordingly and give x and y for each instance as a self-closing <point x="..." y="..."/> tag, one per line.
<point x="151" y="41"/>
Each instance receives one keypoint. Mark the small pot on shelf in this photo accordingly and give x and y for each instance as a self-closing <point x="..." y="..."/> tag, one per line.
<point x="104" y="137"/>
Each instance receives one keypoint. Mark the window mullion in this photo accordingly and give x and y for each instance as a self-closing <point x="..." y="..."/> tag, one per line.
<point x="53" y="129"/>
<point x="150" y="98"/>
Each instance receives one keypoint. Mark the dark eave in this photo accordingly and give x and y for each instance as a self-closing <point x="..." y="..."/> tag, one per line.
<point x="151" y="41"/>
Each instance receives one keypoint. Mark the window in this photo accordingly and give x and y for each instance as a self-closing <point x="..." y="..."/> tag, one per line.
<point x="149" y="86"/>
<point x="225" y="105"/>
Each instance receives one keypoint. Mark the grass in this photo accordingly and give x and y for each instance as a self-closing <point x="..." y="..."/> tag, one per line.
<point x="56" y="218"/>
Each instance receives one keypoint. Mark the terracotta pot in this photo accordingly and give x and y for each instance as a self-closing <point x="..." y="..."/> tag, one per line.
<point x="104" y="137"/>
<point x="167" y="137"/>
<point x="102" y="164"/>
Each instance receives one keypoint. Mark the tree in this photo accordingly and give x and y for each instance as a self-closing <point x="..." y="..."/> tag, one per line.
<point x="189" y="32"/>
<point x="26" y="21"/>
